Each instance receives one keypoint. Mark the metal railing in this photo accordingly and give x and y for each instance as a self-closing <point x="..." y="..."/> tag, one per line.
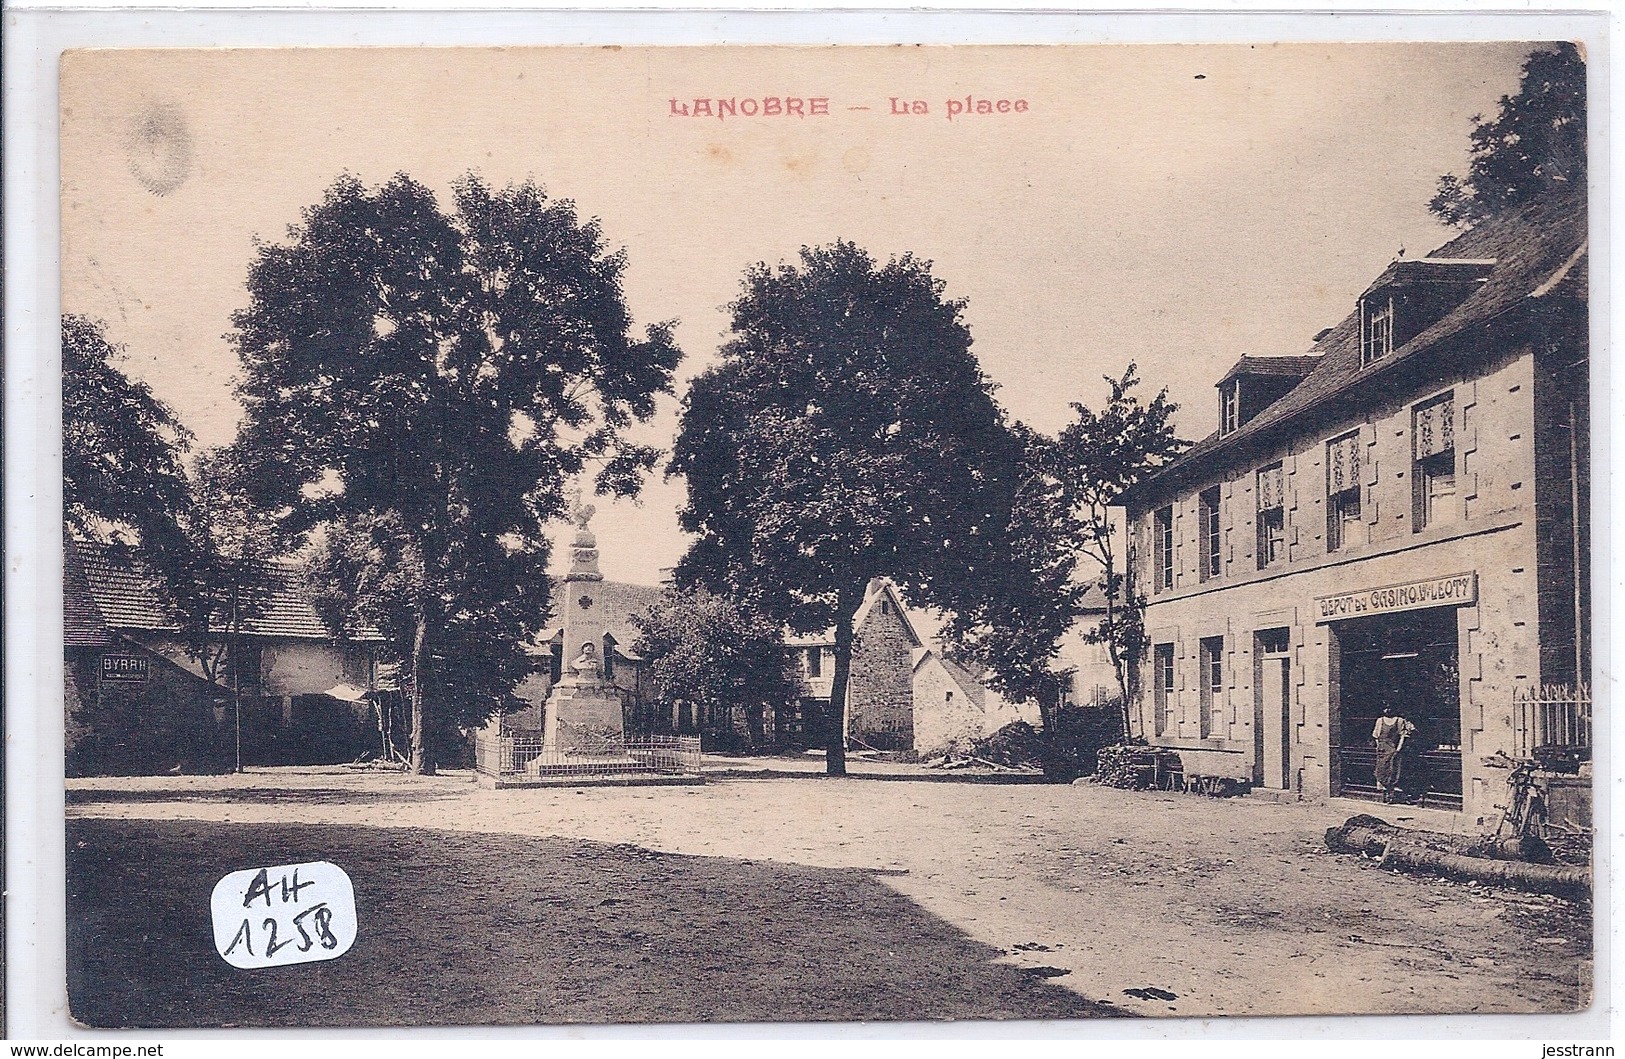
<point x="1553" y="715"/>
<point x="523" y="752"/>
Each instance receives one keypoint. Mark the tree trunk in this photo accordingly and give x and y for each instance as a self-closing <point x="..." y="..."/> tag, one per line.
<point x="1120" y="664"/>
<point x="1556" y="879"/>
<point x="422" y="760"/>
<point x="835" y="736"/>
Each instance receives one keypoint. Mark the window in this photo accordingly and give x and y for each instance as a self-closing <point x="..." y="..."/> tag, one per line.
<point x="1162" y="532"/>
<point x="948" y="697"/>
<point x="1163" y="685"/>
<point x="1271" y="516"/>
<point x="1433" y="476"/>
<point x="1212" y="683"/>
<point x="815" y="661"/>
<point x="1230" y="406"/>
<point x="609" y="657"/>
<point x="1376" y="328"/>
<point x="1343" y="491"/>
<point x="1274" y="641"/>
<point x="1208" y="509"/>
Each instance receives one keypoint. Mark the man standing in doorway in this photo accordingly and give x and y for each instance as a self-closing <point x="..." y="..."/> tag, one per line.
<point x="1390" y="734"/>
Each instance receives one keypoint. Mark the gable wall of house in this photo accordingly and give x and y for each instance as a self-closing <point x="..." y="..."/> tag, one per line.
<point x="881" y="694"/>
<point x="945" y="714"/>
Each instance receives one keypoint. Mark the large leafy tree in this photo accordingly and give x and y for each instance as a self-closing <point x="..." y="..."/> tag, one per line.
<point x="848" y="433"/>
<point x="419" y="384"/>
<point x="714" y="652"/>
<point x="1094" y="459"/>
<point x="123" y="479"/>
<point x="1537" y="142"/>
<point x="125" y="482"/>
<point x="1031" y="597"/>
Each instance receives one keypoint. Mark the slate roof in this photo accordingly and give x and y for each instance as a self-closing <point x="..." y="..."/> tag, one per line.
<point x="1093" y="600"/>
<point x="613" y="605"/>
<point x="967" y="680"/>
<point x="1296" y="366"/>
<point x="1540" y="252"/>
<point x="124" y="595"/>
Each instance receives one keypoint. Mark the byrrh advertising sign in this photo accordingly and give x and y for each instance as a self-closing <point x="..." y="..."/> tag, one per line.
<point x="1452" y="590"/>
<point x="124" y="667"/>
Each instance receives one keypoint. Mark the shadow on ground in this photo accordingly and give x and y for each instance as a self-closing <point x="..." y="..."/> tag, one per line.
<point x="459" y="929"/>
<point x="258" y="795"/>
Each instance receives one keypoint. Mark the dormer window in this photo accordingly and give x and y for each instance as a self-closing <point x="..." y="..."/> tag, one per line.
<point x="1255" y="383"/>
<point x="1229" y="406"/>
<point x="1376" y="328"/>
<point x="1411" y="296"/>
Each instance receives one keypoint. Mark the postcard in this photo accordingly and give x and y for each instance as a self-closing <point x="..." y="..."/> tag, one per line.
<point x="595" y="535"/>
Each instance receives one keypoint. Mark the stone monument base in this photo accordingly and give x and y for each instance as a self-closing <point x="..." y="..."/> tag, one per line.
<point x="583" y="725"/>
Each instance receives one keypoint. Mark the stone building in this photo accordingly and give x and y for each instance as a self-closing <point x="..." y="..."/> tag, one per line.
<point x="1395" y="518"/>
<point x="880" y="693"/>
<point x="903" y="694"/>
<point x="954" y="706"/>
<point x="136" y="701"/>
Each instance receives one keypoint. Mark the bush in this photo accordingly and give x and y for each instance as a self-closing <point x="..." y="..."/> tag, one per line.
<point x="1016" y="745"/>
<point x="1064" y="753"/>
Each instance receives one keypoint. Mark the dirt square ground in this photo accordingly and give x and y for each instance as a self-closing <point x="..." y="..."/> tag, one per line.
<point x="783" y="896"/>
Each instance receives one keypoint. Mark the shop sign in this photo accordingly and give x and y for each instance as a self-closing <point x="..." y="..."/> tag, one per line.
<point x="1452" y="590"/>
<point x="124" y="667"/>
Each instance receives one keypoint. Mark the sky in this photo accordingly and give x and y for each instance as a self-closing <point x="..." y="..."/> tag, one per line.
<point x="1171" y="205"/>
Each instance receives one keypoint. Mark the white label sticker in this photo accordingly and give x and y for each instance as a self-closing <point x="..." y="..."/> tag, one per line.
<point x="293" y="913"/>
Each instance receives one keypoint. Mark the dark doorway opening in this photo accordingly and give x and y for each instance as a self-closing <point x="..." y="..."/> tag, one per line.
<point x="1408" y="661"/>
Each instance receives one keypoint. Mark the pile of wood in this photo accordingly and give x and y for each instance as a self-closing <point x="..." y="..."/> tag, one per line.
<point x="1522" y="863"/>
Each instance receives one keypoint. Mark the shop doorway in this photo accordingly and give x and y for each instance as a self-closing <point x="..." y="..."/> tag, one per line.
<point x="1272" y="709"/>
<point x="1408" y="661"/>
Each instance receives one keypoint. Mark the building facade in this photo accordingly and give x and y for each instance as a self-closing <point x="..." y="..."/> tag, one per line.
<point x="1395" y="519"/>
<point x="137" y="701"/>
<point x="954" y="706"/>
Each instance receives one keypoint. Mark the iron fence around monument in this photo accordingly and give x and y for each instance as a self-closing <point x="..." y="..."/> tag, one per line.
<point x="523" y="752"/>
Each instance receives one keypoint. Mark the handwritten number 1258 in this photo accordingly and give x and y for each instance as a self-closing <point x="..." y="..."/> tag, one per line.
<point x="293" y="913"/>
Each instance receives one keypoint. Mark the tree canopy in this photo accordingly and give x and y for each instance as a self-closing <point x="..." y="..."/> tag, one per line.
<point x="713" y="652"/>
<point x="1031" y="596"/>
<point x="123" y="479"/>
<point x="847" y="434"/>
<point x="1536" y="142"/>
<point x="1095" y="459"/>
<point x="419" y="385"/>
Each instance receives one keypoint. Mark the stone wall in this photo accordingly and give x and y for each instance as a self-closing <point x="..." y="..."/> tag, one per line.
<point x="881" y="693"/>
<point x="944" y="713"/>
